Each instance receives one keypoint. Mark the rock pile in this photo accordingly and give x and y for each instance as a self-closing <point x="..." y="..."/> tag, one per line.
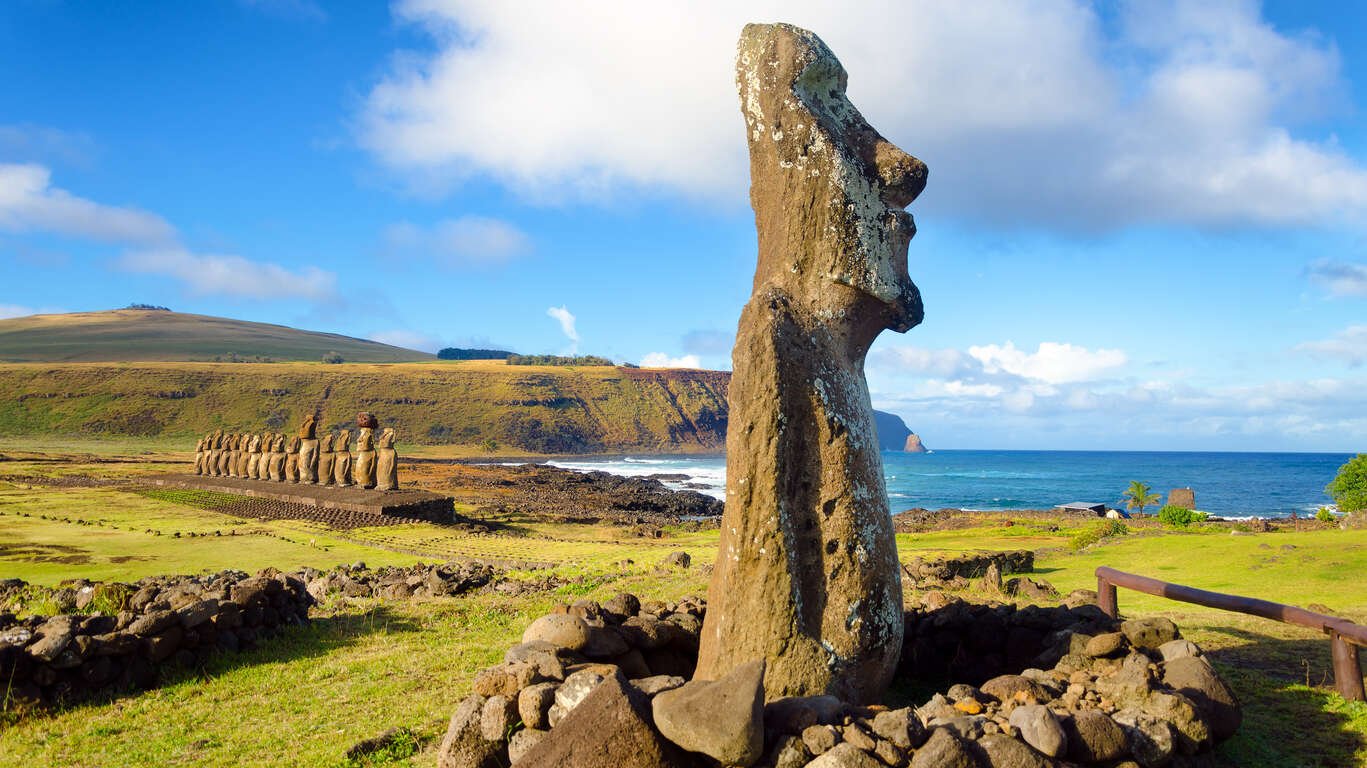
<point x="607" y="685"/>
<point x="395" y="583"/>
<point x="941" y="573"/>
<point x="153" y="623"/>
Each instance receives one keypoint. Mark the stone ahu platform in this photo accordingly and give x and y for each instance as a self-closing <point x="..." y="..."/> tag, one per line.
<point x="411" y="503"/>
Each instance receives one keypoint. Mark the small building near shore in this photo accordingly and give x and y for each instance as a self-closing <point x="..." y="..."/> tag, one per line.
<point x="1082" y="506"/>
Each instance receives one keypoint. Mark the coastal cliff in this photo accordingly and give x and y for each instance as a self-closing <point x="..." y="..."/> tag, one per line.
<point x="913" y="445"/>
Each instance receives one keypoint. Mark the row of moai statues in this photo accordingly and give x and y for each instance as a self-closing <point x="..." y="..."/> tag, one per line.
<point x="304" y="458"/>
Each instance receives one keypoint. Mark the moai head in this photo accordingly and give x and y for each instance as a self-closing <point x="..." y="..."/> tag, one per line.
<point x="293" y="445"/>
<point x="387" y="438"/>
<point x="308" y="430"/>
<point x="325" y="442"/>
<point x="828" y="190"/>
<point x="343" y="441"/>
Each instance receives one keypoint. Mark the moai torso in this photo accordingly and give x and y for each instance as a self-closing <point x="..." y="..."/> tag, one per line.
<point x="386" y="462"/>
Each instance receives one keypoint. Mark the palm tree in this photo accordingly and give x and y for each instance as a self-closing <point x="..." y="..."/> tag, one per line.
<point x="1138" y="495"/>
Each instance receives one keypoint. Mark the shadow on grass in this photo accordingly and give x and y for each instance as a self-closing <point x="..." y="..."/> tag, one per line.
<point x="1292" y="716"/>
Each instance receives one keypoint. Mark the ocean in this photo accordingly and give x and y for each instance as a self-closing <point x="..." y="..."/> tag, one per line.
<point x="1226" y="484"/>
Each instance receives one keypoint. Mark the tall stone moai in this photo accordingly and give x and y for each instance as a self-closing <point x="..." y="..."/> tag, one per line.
<point x="308" y="451"/>
<point x="276" y="463"/>
<point x="341" y="459"/>
<point x="199" y="457"/>
<point x="292" y="459"/>
<point x="243" y="454"/>
<point x="387" y="462"/>
<point x="365" y="450"/>
<point x="224" y="450"/>
<point x="325" y="458"/>
<point x="254" y="457"/>
<point x="807" y="576"/>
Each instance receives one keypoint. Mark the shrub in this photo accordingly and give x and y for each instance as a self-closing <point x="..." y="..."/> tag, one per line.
<point x="332" y="358"/>
<point x="1324" y="515"/>
<point x="489" y="445"/>
<point x="1102" y="530"/>
<point x="457" y="353"/>
<point x="557" y="360"/>
<point x="1179" y="516"/>
<point x="1349" y="487"/>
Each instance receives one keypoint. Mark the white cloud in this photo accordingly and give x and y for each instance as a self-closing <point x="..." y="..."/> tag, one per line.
<point x="566" y="320"/>
<point x="943" y="363"/>
<point x="29" y="203"/>
<point x="1348" y="345"/>
<point x="466" y="241"/>
<point x="407" y="339"/>
<point x="15" y="310"/>
<point x="231" y="275"/>
<point x="1054" y="363"/>
<point x="662" y="360"/>
<point x="1034" y="114"/>
<point x="1340" y="278"/>
<point x="40" y="143"/>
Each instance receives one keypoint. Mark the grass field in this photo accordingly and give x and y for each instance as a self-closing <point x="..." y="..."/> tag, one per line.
<point x="365" y="666"/>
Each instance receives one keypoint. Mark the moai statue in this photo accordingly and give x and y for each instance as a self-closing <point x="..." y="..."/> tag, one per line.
<point x="243" y="456"/>
<point x="807" y="575"/>
<point x="215" y="453"/>
<point x="199" y="457"/>
<point x="325" y="458"/>
<point x="292" y="459"/>
<point x="230" y="460"/>
<point x="365" y="450"/>
<point x="225" y="456"/>
<point x="341" y="459"/>
<point x="308" y="451"/>
<point x="276" y="467"/>
<point x="254" y="457"/>
<point x="387" y="462"/>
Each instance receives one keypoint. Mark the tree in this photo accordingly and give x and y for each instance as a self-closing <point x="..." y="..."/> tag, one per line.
<point x="1349" y="487"/>
<point x="332" y="358"/>
<point x="1138" y="495"/>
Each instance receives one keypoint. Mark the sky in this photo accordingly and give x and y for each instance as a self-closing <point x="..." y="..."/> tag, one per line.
<point x="1145" y="226"/>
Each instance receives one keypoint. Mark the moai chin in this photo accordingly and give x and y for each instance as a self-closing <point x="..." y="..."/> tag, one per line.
<point x="807" y="575"/>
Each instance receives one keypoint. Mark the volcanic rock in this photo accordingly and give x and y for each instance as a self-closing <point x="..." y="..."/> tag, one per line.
<point x="723" y="720"/>
<point x="807" y="575"/>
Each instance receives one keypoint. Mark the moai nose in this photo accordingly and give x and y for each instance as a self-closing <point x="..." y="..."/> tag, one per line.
<point x="903" y="176"/>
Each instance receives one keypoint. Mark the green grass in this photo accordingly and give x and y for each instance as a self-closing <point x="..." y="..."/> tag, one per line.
<point x="367" y="666"/>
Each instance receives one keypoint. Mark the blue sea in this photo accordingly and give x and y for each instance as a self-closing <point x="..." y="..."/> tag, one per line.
<point x="1225" y="484"/>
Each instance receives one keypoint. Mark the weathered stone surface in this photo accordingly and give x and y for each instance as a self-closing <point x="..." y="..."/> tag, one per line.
<point x="845" y="756"/>
<point x="497" y="717"/>
<point x="534" y="705"/>
<point x="1151" y="741"/>
<point x="1194" y="678"/>
<point x="1005" y="687"/>
<point x="943" y="750"/>
<point x="578" y="686"/>
<point x="1149" y="633"/>
<point x="463" y="745"/>
<point x="1002" y="751"/>
<point x="901" y="727"/>
<point x="1178" y="649"/>
<point x="788" y="752"/>
<point x="820" y="739"/>
<point x="522" y="742"/>
<point x="1107" y="644"/>
<point x="657" y="684"/>
<point x="1040" y="729"/>
<point x="559" y="629"/>
<point x="1093" y="737"/>
<point x="609" y="729"/>
<point x="723" y="719"/>
<point x="386" y="462"/>
<point x="807" y="574"/>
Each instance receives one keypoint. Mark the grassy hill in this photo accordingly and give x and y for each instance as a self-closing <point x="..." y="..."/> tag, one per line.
<point x="137" y="335"/>
<point x="525" y="409"/>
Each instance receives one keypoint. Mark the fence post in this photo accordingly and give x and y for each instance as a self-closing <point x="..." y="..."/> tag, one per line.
<point x="1347" y="673"/>
<point x="1106" y="598"/>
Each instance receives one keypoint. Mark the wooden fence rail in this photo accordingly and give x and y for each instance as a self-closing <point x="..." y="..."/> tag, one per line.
<point x="1344" y="636"/>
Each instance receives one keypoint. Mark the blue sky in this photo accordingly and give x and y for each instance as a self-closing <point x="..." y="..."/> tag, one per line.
<point x="1144" y="227"/>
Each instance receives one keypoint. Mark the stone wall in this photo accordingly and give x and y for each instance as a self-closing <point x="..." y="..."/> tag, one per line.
<point x="163" y="622"/>
<point x="1035" y="687"/>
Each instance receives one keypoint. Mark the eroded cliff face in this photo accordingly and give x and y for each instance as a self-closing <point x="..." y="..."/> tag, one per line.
<point x="807" y="574"/>
<point x="914" y="444"/>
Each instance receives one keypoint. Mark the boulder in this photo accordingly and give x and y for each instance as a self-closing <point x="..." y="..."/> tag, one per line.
<point x="723" y="719"/>
<point x="788" y="752"/>
<point x="1038" y="726"/>
<point x="497" y="718"/>
<point x="534" y="705"/>
<point x="1005" y="687"/>
<point x="1151" y="741"/>
<point x="901" y="727"/>
<point x="523" y="741"/>
<point x="1149" y="633"/>
<point x="1108" y="644"/>
<point x="845" y="756"/>
<point x="1178" y="649"/>
<point x="943" y="750"/>
<point x="610" y="728"/>
<point x="464" y="746"/>
<point x="1002" y="751"/>
<point x="820" y="739"/>
<point x="1193" y="677"/>
<point x="558" y="629"/>
<point x="1093" y="738"/>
